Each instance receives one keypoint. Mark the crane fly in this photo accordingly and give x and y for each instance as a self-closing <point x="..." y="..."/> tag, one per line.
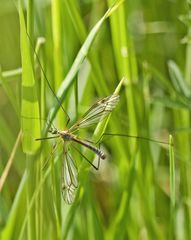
<point x="95" y="114"/>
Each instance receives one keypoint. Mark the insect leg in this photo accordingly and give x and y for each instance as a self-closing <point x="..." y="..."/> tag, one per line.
<point x="95" y="167"/>
<point x="130" y="136"/>
<point x="51" y="154"/>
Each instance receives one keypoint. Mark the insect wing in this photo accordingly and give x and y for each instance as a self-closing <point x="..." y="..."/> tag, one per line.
<point x="97" y="112"/>
<point x="69" y="178"/>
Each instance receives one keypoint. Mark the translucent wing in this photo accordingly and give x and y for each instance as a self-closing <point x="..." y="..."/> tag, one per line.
<point x="69" y="178"/>
<point x="97" y="112"/>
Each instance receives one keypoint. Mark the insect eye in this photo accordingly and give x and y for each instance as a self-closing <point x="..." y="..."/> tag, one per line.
<point x="50" y="129"/>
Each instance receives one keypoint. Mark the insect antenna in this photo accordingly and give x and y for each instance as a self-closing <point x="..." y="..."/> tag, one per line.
<point x="46" y="138"/>
<point x="49" y="85"/>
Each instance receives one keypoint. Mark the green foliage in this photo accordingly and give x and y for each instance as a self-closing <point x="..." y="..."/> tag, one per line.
<point x="85" y="50"/>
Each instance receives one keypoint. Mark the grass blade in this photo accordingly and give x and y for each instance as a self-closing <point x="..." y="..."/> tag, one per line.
<point x="30" y="106"/>
<point x="172" y="189"/>
<point x="70" y="77"/>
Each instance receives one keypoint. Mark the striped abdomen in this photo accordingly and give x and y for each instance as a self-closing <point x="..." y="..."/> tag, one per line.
<point x="94" y="149"/>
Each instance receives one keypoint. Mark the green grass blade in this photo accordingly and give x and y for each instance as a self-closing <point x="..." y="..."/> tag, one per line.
<point x="103" y="124"/>
<point x="172" y="189"/>
<point x="79" y="26"/>
<point x="5" y="81"/>
<point x="178" y="79"/>
<point x="30" y="107"/>
<point x="70" y="77"/>
<point x="18" y="209"/>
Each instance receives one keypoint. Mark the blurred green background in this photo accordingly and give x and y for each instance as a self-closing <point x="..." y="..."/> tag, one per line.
<point x="142" y="189"/>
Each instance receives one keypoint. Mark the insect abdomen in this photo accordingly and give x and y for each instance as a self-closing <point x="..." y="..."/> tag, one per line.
<point x="94" y="149"/>
<point x="98" y="152"/>
<point x="101" y="154"/>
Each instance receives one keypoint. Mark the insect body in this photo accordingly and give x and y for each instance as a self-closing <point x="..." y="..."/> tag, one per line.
<point x="96" y="113"/>
<point x="67" y="136"/>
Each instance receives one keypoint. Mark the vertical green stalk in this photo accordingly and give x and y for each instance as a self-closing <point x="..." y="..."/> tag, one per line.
<point x="32" y="225"/>
<point x="30" y="19"/>
<point x="57" y="39"/>
<point x="187" y="139"/>
<point x="188" y="60"/>
<point x="58" y="76"/>
<point x="40" y="163"/>
<point x="30" y="107"/>
<point x="43" y="114"/>
<point x="172" y="189"/>
<point x="122" y="52"/>
<point x="29" y="112"/>
<point x="182" y="118"/>
<point x="76" y="97"/>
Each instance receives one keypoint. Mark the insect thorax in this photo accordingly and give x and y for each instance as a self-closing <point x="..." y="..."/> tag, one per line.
<point x="66" y="136"/>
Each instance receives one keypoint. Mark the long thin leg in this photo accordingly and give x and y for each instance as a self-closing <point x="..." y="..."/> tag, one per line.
<point x="99" y="157"/>
<point x="95" y="167"/>
<point x="67" y="121"/>
<point x="130" y="136"/>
